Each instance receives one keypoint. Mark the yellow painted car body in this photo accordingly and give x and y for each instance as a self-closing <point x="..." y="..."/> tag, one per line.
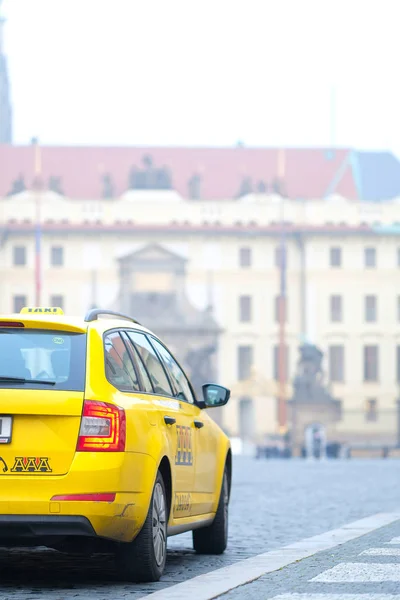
<point x="50" y="489"/>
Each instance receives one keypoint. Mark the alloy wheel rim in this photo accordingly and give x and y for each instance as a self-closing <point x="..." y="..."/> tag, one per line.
<point x="159" y="524"/>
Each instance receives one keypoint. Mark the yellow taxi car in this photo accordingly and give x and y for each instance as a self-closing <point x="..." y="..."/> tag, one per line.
<point x="103" y="443"/>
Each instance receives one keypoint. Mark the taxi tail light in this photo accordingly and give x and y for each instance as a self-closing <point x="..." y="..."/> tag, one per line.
<point x="103" y="428"/>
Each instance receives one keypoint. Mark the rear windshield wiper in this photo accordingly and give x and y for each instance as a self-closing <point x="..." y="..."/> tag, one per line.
<point x="22" y="380"/>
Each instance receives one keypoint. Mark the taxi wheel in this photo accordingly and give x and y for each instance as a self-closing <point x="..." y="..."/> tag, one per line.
<point x="214" y="539"/>
<point x="143" y="560"/>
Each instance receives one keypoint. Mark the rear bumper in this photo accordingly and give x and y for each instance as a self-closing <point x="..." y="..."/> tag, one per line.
<point x="116" y="521"/>
<point x="26" y="505"/>
<point x="24" y="527"/>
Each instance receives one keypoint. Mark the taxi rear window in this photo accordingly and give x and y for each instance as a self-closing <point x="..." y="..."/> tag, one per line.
<point x="36" y="359"/>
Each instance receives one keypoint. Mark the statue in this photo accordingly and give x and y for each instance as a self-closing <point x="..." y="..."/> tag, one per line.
<point x="194" y="185"/>
<point x="108" y="186"/>
<point x="149" y="177"/>
<point x="309" y="381"/>
<point x="55" y="185"/>
<point x="246" y="187"/>
<point x="18" y="186"/>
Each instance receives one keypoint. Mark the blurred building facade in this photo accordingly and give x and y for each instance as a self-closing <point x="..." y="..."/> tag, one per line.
<point x="214" y="266"/>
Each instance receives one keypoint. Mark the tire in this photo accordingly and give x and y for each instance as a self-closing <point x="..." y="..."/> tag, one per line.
<point x="143" y="559"/>
<point x="214" y="538"/>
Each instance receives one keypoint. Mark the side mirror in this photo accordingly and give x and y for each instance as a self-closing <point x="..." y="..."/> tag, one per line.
<point x="215" y="395"/>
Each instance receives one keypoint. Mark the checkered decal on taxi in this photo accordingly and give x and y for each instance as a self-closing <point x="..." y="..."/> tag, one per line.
<point x="184" y="454"/>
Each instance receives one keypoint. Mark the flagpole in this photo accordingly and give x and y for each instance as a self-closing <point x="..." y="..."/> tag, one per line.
<point x="333" y="118"/>
<point x="282" y="417"/>
<point x="38" y="225"/>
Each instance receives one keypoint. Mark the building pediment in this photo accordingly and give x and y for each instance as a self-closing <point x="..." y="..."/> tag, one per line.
<point x="29" y="197"/>
<point x="154" y="254"/>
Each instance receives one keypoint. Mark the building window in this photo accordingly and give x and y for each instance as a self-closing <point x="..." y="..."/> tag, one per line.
<point x="371" y="309"/>
<point x="371" y="366"/>
<point x="398" y="364"/>
<point x="371" y="410"/>
<point x="18" y="303"/>
<point x="57" y="301"/>
<point x="57" y="256"/>
<point x="245" y="257"/>
<point x="276" y="361"/>
<point x="247" y="419"/>
<point x="277" y="311"/>
<point x="245" y="309"/>
<point x="279" y="255"/>
<point x="336" y="309"/>
<point x="19" y="256"/>
<point x="370" y="257"/>
<point x="336" y="363"/>
<point x="398" y="257"/>
<point x="335" y="257"/>
<point x="245" y="362"/>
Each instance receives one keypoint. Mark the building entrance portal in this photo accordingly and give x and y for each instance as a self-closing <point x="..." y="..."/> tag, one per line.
<point x="315" y="441"/>
<point x="153" y="291"/>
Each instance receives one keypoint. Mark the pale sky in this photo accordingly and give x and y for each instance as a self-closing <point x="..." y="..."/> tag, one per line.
<point x="205" y="72"/>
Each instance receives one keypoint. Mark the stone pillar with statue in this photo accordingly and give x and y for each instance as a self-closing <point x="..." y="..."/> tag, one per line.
<point x="313" y="412"/>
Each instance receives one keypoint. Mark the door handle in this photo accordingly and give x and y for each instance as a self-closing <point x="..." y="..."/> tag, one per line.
<point x="199" y="424"/>
<point x="169" y="420"/>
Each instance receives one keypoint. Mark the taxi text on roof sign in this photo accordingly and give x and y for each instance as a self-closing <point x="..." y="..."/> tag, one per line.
<point x="54" y="310"/>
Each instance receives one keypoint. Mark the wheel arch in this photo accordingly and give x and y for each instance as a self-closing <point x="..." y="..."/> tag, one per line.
<point x="165" y="469"/>
<point x="228" y="466"/>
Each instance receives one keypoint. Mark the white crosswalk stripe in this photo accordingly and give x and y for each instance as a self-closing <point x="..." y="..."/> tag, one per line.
<point x="360" y="573"/>
<point x="381" y="552"/>
<point x="336" y="597"/>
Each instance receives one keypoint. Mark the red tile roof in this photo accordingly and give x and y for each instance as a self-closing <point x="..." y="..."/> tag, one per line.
<point x="309" y="172"/>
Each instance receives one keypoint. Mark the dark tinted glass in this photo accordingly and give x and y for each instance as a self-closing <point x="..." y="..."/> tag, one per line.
<point x="56" y="356"/>
<point x="176" y="374"/>
<point x="139" y="364"/>
<point x="152" y="363"/>
<point x="120" y="370"/>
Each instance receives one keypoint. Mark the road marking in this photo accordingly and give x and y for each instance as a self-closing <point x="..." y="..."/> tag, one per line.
<point x="360" y="573"/>
<point x="218" y="582"/>
<point x="337" y="597"/>
<point x="381" y="552"/>
<point x="395" y="540"/>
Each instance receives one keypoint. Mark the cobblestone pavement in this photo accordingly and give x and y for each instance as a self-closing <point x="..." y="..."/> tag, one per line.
<point x="273" y="503"/>
<point x="367" y="568"/>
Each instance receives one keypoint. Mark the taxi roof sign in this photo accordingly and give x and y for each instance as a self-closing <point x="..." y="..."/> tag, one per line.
<point x="51" y="310"/>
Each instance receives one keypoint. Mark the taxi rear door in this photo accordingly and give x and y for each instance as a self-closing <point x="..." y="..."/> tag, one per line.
<point x="176" y="417"/>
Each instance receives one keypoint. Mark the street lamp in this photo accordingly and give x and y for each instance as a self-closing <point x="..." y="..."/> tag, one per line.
<point x="282" y="407"/>
<point x="398" y="417"/>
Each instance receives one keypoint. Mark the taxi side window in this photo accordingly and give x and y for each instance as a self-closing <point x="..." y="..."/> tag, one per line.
<point x="139" y="364"/>
<point x="178" y="377"/>
<point x="152" y="363"/>
<point x="119" y="367"/>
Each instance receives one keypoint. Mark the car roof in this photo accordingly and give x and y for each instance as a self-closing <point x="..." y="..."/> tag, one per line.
<point x="73" y="324"/>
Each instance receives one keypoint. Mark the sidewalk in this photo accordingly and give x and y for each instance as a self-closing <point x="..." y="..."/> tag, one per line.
<point x="361" y="558"/>
<point x="366" y="568"/>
